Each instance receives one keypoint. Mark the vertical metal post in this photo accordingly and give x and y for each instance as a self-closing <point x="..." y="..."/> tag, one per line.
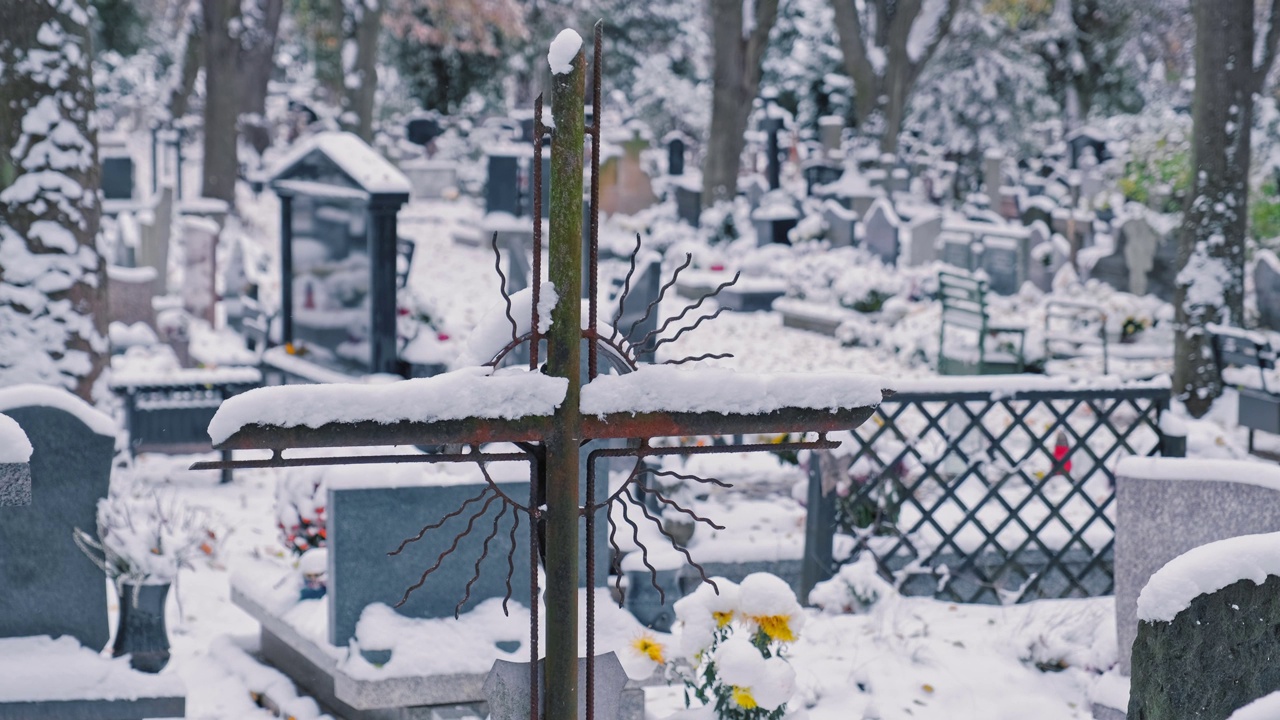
<point x="819" y="530"/>
<point x="773" y="169"/>
<point x="155" y="164"/>
<point x="564" y="360"/>
<point x="381" y="238"/>
<point x="177" y="148"/>
<point x="286" y="273"/>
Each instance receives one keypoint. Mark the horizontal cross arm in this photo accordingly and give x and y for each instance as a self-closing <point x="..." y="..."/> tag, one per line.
<point x="672" y="424"/>
<point x="466" y="431"/>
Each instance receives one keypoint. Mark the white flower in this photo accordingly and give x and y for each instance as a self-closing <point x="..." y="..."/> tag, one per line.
<point x="703" y="612"/>
<point x="768" y="602"/>
<point x="754" y="681"/>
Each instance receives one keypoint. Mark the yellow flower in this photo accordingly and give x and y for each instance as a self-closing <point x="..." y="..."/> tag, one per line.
<point x="777" y="627"/>
<point x="647" y="646"/>
<point x="742" y="696"/>
<point x="723" y="617"/>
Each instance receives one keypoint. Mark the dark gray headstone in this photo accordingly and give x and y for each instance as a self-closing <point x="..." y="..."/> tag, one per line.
<point x="422" y="131"/>
<point x="502" y="189"/>
<point x="880" y="232"/>
<point x="364" y="525"/>
<point x="1004" y="259"/>
<point x="47" y="585"/>
<point x="507" y="688"/>
<point x="1266" y="282"/>
<point x="15" y="484"/>
<point x="117" y="178"/>
<point x="689" y="205"/>
<point x="956" y="250"/>
<point x="675" y="156"/>
<point x="1214" y="657"/>
<point x="644" y="289"/>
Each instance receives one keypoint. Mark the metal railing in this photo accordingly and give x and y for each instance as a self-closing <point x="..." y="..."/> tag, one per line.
<point x="985" y="489"/>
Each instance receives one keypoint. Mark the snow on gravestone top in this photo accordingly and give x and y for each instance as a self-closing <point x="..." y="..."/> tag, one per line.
<point x="467" y="393"/>
<point x="18" y="396"/>
<point x="668" y="389"/>
<point x="1208" y="569"/>
<point x="14" y="445"/>
<point x="353" y="156"/>
<point x="41" y="669"/>
<point x="1264" y="475"/>
<point x="562" y="51"/>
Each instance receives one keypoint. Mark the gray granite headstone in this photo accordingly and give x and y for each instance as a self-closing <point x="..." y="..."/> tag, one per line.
<point x="1143" y="261"/>
<point x="507" y="688"/>
<point x="688" y="204"/>
<point x="920" y="239"/>
<point x="15" y="484"/>
<point x="153" y="237"/>
<point x="841" y="223"/>
<point x="47" y="585"/>
<point x="129" y="294"/>
<point x="880" y="232"/>
<point x="644" y="288"/>
<point x="117" y="178"/>
<point x="1266" y="283"/>
<point x="1162" y="514"/>
<point x="200" y="246"/>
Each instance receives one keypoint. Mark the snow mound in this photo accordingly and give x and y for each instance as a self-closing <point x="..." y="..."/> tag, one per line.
<point x="41" y="669"/>
<point x="1208" y="569"/>
<point x="18" y="396"/>
<point x="469" y="392"/>
<point x="1264" y="475"/>
<point x="668" y="389"/>
<point x="562" y="51"/>
<point x="1266" y="707"/>
<point x="14" y="445"/>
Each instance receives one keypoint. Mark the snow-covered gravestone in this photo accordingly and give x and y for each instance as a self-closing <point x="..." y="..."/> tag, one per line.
<point x="1266" y="283"/>
<point x="920" y="239"/>
<point x="15" y="468"/>
<point x="880" y="231"/>
<point x="1209" y="631"/>
<point x="1048" y="255"/>
<point x="774" y="219"/>
<point x="129" y="294"/>
<point x="47" y="586"/>
<point x="200" y="245"/>
<point x="1166" y="507"/>
<point x="1143" y="260"/>
<point x="1005" y="259"/>
<point x="842" y="224"/>
<point x="502" y="186"/>
<point x="956" y="249"/>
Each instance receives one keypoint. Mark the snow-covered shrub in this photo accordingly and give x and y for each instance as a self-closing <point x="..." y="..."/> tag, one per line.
<point x="145" y="539"/>
<point x="855" y="588"/>
<point x="732" y="647"/>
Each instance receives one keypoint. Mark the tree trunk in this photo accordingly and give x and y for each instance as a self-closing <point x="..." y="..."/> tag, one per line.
<point x="222" y="101"/>
<point x="192" y="60"/>
<point x="737" y="56"/>
<point x="1210" y="285"/>
<point x="362" y="84"/>
<point x="52" y="280"/>
<point x="257" y="59"/>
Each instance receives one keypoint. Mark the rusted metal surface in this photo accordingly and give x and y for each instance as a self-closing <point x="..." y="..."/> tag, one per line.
<point x="468" y="431"/>
<point x="662" y="424"/>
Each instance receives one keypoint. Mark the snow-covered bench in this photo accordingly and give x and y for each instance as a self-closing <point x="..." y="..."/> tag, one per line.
<point x="1246" y="359"/>
<point x="964" y="306"/>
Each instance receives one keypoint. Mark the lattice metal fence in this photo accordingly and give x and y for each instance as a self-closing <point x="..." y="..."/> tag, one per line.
<point x="988" y="495"/>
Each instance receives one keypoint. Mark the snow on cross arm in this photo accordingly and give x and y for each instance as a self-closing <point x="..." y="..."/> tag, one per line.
<point x="563" y="50"/>
<point x="507" y="394"/>
<point x="668" y="389"/>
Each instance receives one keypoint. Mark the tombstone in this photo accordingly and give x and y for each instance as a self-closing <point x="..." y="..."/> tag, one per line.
<point x="1266" y="283"/>
<point x="624" y="186"/>
<point x="771" y="126"/>
<point x="774" y="219"/>
<point x="47" y="585"/>
<point x="1038" y="209"/>
<point x="1206" y="642"/>
<point x="755" y="188"/>
<point x="507" y="690"/>
<point x="645" y="286"/>
<point x="431" y="179"/>
<point x="1142" y="261"/>
<point x="841" y="224"/>
<point x="899" y="180"/>
<point x="153" y="237"/>
<point x="880" y="230"/>
<point x="1048" y="253"/>
<point x="993" y="175"/>
<point x="820" y="172"/>
<point x="200" y="246"/>
<point x="502" y="188"/>
<point x="688" y="200"/>
<point x="1005" y="260"/>
<point x="1009" y="205"/>
<point x="1087" y="137"/>
<point x="129" y="293"/>
<point x="830" y="130"/>
<point x="677" y="145"/>
<point x="920" y="240"/>
<point x="956" y="249"/>
<point x="1161" y="514"/>
<point x="117" y="177"/>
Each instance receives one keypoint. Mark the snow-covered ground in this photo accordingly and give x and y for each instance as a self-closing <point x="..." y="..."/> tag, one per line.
<point x="904" y="658"/>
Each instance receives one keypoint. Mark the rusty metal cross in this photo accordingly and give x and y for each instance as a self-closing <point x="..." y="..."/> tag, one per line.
<point x="553" y="442"/>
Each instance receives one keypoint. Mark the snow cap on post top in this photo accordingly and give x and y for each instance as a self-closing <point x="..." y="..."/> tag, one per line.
<point x="563" y="50"/>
